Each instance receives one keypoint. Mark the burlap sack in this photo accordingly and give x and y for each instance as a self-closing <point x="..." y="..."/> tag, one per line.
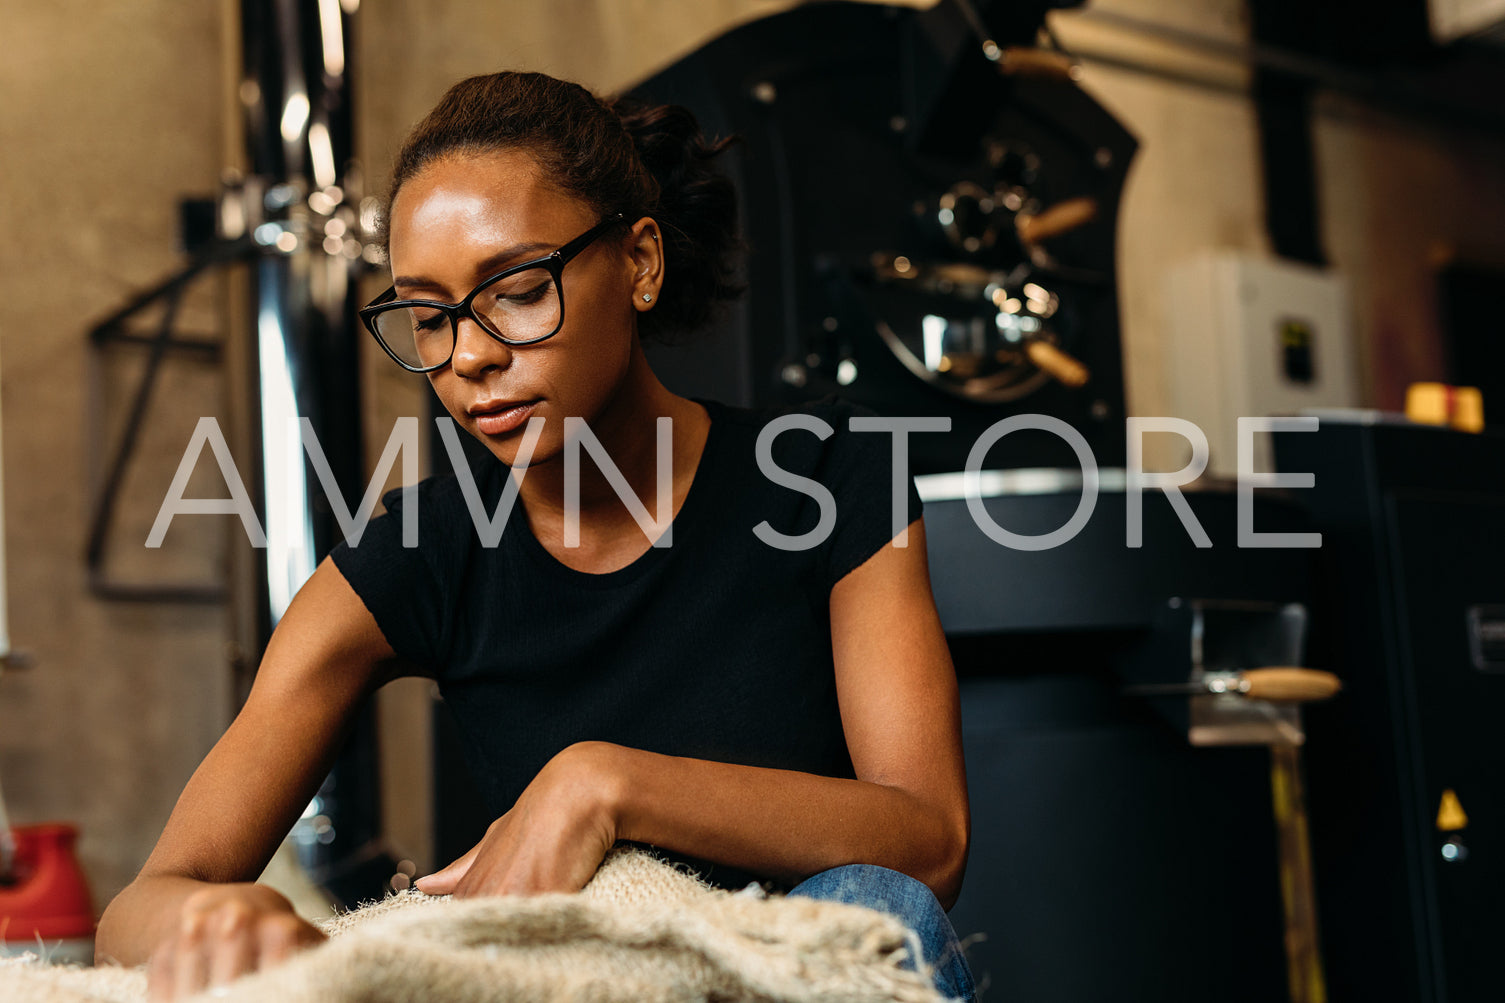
<point x="640" y="931"/>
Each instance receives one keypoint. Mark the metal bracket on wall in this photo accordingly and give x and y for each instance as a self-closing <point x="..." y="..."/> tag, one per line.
<point x="107" y="469"/>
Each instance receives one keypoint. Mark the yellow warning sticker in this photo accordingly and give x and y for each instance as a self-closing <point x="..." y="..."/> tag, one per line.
<point x="1450" y="813"/>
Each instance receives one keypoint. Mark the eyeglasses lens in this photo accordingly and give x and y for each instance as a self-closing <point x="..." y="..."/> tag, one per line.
<point x="419" y="336"/>
<point x="524" y="306"/>
<point x="520" y="307"/>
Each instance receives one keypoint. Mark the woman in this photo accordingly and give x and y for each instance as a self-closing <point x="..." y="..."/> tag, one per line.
<point x="774" y="709"/>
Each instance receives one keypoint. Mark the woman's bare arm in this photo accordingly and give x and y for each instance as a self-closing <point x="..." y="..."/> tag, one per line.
<point x="324" y="658"/>
<point x="907" y="809"/>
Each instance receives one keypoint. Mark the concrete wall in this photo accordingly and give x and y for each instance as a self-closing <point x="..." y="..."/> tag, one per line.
<point x="108" y="113"/>
<point x="1401" y="199"/>
<point x="1397" y="196"/>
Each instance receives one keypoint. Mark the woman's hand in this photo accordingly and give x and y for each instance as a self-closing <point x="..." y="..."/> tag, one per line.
<point x="223" y="933"/>
<point x="552" y="840"/>
<point x="326" y="656"/>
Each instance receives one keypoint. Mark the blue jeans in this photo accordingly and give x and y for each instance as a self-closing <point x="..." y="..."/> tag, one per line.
<point x="913" y="904"/>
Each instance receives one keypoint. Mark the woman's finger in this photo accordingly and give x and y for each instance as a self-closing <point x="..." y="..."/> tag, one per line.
<point x="281" y="936"/>
<point x="190" y="970"/>
<point x="444" y="880"/>
<point x="159" y="973"/>
<point x="233" y="957"/>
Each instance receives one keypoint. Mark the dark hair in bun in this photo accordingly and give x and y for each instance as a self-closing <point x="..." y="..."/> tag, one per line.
<point x="617" y="155"/>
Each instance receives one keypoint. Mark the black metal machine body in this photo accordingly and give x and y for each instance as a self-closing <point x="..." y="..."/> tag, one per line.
<point x="1406" y="777"/>
<point x="1111" y="858"/>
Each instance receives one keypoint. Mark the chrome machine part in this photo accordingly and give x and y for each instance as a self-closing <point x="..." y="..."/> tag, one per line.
<point x="300" y="204"/>
<point x="977" y="334"/>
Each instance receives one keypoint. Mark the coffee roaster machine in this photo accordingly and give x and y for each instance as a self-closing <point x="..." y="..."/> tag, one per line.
<point x="930" y="224"/>
<point x="930" y="202"/>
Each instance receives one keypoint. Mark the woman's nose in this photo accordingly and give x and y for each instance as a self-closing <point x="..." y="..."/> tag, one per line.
<point x="476" y="351"/>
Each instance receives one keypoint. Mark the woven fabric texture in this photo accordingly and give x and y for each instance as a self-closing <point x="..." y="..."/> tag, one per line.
<point x="640" y="931"/>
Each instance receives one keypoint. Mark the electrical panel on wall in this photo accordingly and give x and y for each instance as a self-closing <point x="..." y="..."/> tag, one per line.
<point x="1250" y="336"/>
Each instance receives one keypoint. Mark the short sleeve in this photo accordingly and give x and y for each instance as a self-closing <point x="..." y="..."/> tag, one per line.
<point x="859" y="471"/>
<point x="408" y="590"/>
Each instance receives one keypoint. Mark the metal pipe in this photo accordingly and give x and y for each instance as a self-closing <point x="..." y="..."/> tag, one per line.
<point x="304" y="356"/>
<point x="1392" y="91"/>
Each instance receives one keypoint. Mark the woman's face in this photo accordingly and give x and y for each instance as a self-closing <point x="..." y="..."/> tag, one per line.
<point x="464" y="218"/>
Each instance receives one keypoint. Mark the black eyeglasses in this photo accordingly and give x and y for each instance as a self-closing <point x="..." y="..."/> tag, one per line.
<point x="520" y="305"/>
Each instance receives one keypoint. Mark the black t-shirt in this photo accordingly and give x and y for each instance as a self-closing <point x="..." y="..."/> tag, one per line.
<point x="716" y="647"/>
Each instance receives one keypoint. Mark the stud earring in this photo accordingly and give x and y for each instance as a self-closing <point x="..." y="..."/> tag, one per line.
<point x="647" y="297"/>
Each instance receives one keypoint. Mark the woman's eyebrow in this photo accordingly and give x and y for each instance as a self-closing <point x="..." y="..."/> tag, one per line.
<point x="487" y="266"/>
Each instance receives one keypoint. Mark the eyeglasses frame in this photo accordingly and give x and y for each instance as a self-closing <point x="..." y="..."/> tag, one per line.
<point x="553" y="262"/>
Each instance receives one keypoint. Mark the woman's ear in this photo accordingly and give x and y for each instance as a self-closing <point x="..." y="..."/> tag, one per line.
<point x="645" y="248"/>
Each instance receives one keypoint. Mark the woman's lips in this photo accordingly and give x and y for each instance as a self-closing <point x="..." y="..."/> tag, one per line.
<point x="503" y="419"/>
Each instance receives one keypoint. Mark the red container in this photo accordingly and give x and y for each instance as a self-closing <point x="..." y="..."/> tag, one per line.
<point x="46" y="896"/>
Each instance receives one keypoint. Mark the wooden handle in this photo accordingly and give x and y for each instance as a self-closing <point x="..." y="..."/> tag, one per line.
<point x="1057" y="363"/>
<point x="1025" y="61"/>
<point x="1284" y="684"/>
<point x="1055" y="220"/>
